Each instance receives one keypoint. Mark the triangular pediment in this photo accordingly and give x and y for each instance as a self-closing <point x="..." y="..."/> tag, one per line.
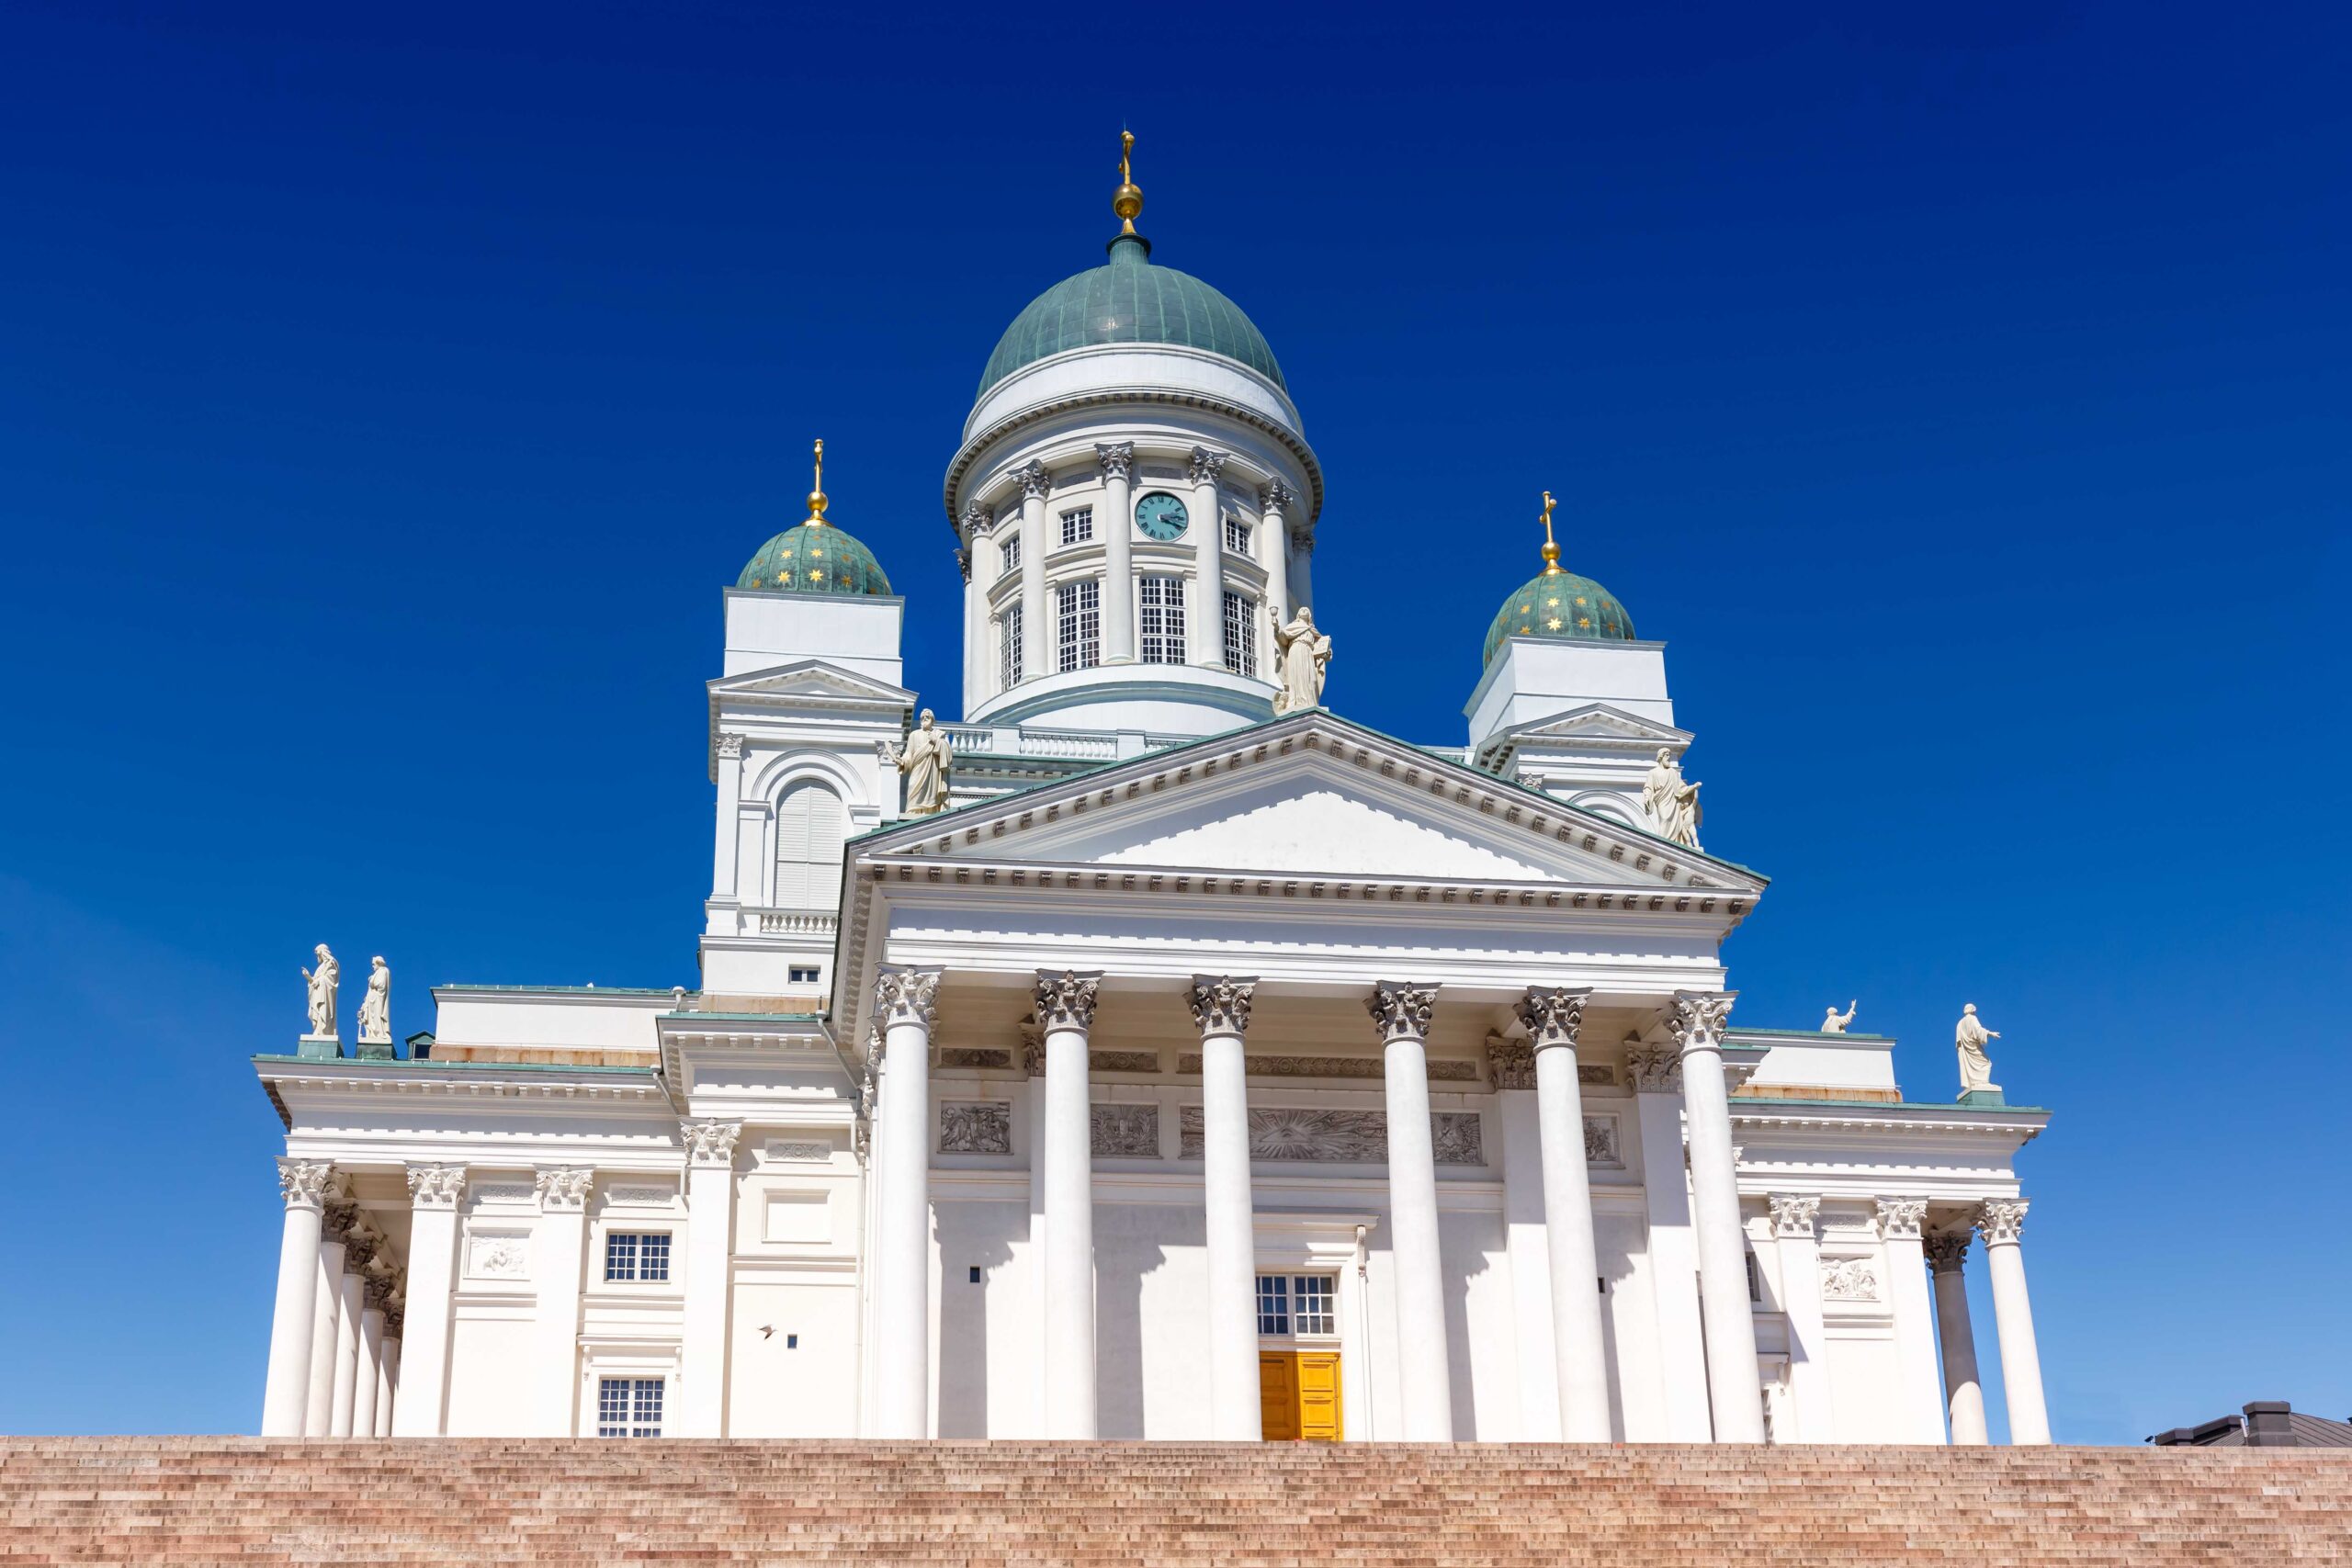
<point x="809" y="678"/>
<point x="1600" y="721"/>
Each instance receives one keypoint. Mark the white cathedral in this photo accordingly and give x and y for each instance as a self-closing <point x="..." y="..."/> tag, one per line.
<point x="1153" y="1052"/>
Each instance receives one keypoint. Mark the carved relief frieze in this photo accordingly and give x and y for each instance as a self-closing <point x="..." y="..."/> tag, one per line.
<point x="796" y="1152"/>
<point x="1277" y="1066"/>
<point x="967" y="1057"/>
<point x="1596" y="1078"/>
<point x="1123" y="1061"/>
<point x="647" y="1196"/>
<point x="1126" y="1131"/>
<point x="500" y="1256"/>
<point x="1600" y="1144"/>
<point x="1848" y="1280"/>
<point x="1458" y="1138"/>
<point x="968" y="1127"/>
<point x="1339" y="1137"/>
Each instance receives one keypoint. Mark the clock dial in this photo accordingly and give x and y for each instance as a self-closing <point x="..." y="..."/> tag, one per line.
<point x="1161" y="516"/>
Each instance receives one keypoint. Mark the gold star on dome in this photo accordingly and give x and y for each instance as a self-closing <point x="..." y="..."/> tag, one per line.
<point x="816" y="576"/>
<point x="1553" y="622"/>
<point x="787" y="555"/>
<point x="1527" y="609"/>
<point x="1580" y="601"/>
<point x="1524" y="630"/>
<point x="1554" y="603"/>
<point x="1585" y="621"/>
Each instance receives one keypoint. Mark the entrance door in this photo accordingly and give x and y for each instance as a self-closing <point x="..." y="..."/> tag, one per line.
<point x="1298" y="1394"/>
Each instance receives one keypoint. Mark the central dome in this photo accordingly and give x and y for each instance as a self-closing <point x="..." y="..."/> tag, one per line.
<point x="1127" y="300"/>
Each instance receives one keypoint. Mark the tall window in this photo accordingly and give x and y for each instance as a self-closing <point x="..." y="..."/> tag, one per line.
<point x="1081" y="624"/>
<point x="1236" y="536"/>
<point x="1008" y="553"/>
<point x="1297" y="1304"/>
<point x="1161" y="622"/>
<point x="1008" y="649"/>
<point x="629" y="1407"/>
<point x="1077" y="526"/>
<point x="1240" y="633"/>
<point x="638" y="1256"/>
<point x="812" y="826"/>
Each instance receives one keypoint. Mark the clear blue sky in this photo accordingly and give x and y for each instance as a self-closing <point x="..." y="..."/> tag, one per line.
<point x="386" y="396"/>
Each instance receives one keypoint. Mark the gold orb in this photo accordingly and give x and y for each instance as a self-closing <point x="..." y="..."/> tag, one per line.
<point x="1127" y="201"/>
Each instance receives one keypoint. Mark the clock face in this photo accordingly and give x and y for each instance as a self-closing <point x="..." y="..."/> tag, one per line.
<point x="1161" y="516"/>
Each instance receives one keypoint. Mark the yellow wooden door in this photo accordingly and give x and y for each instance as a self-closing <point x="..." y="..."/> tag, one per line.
<point x="1298" y="1394"/>
<point x="1278" y="1393"/>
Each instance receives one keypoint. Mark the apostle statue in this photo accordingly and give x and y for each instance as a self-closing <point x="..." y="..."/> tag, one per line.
<point x="1671" y="802"/>
<point x="375" y="1006"/>
<point x="1836" y="1021"/>
<point x="1976" y="1066"/>
<point x="1302" y="657"/>
<point x="924" y="761"/>
<point x="323" y="982"/>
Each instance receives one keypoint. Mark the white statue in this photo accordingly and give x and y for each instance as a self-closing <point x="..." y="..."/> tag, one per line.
<point x="1671" y="803"/>
<point x="1976" y="1066"/>
<point x="1836" y="1021"/>
<point x="375" y="1006"/>
<point x="1302" y="659"/>
<point x="323" y="982"/>
<point x="924" y="761"/>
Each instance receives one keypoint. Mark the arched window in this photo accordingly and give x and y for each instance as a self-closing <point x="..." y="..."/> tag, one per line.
<point x="812" y="825"/>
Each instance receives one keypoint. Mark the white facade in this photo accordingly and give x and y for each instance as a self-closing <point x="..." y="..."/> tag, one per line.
<point x="1190" y="1050"/>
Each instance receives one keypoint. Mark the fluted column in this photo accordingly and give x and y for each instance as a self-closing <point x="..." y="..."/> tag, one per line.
<point x="374" y="1289"/>
<point x="1797" y="1239"/>
<point x="422" y="1393"/>
<point x="1037" y="639"/>
<point x="563" y="1247"/>
<point x="326" y="1318"/>
<point x="1274" y="543"/>
<point x="387" y="1372"/>
<point x="1999" y="1223"/>
<point x="1734" y="1392"/>
<point x="1580" y="1351"/>
<point x="351" y="1299"/>
<point x="1654" y="1073"/>
<point x="1117" y="521"/>
<point x="1402" y="1011"/>
<point x="1963" y="1394"/>
<point x="286" y="1396"/>
<point x="1066" y="1014"/>
<point x="1899" y="1223"/>
<point x="1510" y="1062"/>
<point x="905" y="1005"/>
<point x="1209" y="558"/>
<point x="710" y="1286"/>
<point x="1221" y="1008"/>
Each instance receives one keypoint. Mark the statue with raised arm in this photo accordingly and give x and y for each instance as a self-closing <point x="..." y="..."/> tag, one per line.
<point x="323" y="982"/>
<point x="375" y="1006"/>
<point x="1671" y="802"/>
<point x="924" y="761"/>
<point x="1302" y="659"/>
<point x="1976" y="1066"/>
<point x="1836" y="1021"/>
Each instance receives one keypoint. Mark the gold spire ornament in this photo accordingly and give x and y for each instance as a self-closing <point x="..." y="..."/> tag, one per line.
<point x="817" y="495"/>
<point x="1127" y="201"/>
<point x="1551" y="545"/>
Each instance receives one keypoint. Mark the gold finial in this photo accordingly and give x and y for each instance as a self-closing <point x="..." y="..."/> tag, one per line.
<point x="1127" y="201"/>
<point x="816" y="496"/>
<point x="1551" y="545"/>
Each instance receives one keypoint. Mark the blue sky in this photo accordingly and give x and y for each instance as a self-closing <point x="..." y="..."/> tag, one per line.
<point x="386" y="398"/>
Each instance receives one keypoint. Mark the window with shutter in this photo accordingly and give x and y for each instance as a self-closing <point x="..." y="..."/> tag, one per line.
<point x="812" y="826"/>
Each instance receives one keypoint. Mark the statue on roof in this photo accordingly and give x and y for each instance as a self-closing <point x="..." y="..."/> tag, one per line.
<point x="1976" y="1066"/>
<point x="375" y="1006"/>
<point x="323" y="982"/>
<point x="1302" y="659"/>
<point x="1672" y="803"/>
<point x="924" y="761"/>
<point x="1836" y="1021"/>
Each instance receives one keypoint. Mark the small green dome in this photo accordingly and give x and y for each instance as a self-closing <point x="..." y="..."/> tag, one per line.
<point x="1127" y="300"/>
<point x="1561" y="606"/>
<point x="815" y="558"/>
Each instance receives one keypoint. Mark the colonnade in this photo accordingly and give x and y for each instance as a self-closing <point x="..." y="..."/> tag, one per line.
<point x="336" y="1330"/>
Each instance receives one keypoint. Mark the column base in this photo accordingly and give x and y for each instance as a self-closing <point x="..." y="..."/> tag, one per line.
<point x="319" y="1047"/>
<point x="377" y="1051"/>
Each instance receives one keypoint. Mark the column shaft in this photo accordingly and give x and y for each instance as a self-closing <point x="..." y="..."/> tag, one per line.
<point x="904" y="1006"/>
<point x="1657" y="1074"/>
<point x="1531" y="1255"/>
<point x="388" y="1380"/>
<point x="1273" y="544"/>
<point x="1222" y="1009"/>
<point x="1116" y="523"/>
<point x="1580" y="1350"/>
<point x="318" y="1415"/>
<point x="1899" y="1223"/>
<point x="1403" y="1013"/>
<point x="350" y="1302"/>
<point x="1963" y="1394"/>
<point x="1798" y="1245"/>
<point x="286" y="1396"/>
<point x="710" y="1284"/>
<point x="1036" y="625"/>
<point x="1066" y="1013"/>
<point x="365" y="1386"/>
<point x="562" y="1247"/>
<point x="422" y="1395"/>
<point x="1999" y="1224"/>
<point x="1735" y="1391"/>
<point x="1208" y="557"/>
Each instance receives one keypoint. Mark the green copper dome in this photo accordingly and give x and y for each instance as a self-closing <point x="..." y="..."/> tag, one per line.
<point x="815" y="558"/>
<point x="1127" y="300"/>
<point x="1561" y="606"/>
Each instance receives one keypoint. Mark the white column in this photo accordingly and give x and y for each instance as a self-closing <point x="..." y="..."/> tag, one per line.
<point x="710" y="1252"/>
<point x="1999" y="1223"/>
<point x="423" y="1394"/>
<point x="1302" y="567"/>
<point x="388" y="1373"/>
<point x="1734" y="1386"/>
<point x="368" y="1384"/>
<point x="1655" y="1074"/>
<point x="1580" y="1350"/>
<point x="1209" y="558"/>
<point x="351" y="1299"/>
<point x="1963" y="1394"/>
<point x="1402" y="1013"/>
<point x="318" y="1415"/>
<point x="562" y="1248"/>
<point x="976" y="606"/>
<point x="1274" y="543"/>
<point x="1899" y="1221"/>
<point x="1066" y="1013"/>
<point x="1797" y="1242"/>
<point x="1037" y="629"/>
<point x="1033" y="1058"/>
<point x="1118" y="524"/>
<point x="285" y="1396"/>
<point x="1512" y="1063"/>
<point x="724" y="856"/>
<point x="1221" y="1006"/>
<point x="905" y="1005"/>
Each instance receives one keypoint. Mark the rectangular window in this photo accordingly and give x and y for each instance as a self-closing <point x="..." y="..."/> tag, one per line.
<point x="1273" y="1303"/>
<point x="1077" y="526"/>
<point x="1297" y="1304"/>
<point x="1240" y="633"/>
<point x="638" y="1256"/>
<point x="803" y="977"/>
<point x="1161" y="620"/>
<point x="1081" y="624"/>
<point x="1009" y="552"/>
<point x="1008" y="664"/>
<point x="629" y="1407"/>
<point x="1236" y="536"/>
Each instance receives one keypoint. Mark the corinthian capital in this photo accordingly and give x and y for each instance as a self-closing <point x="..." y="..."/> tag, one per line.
<point x="1206" y="465"/>
<point x="731" y="745"/>
<point x="303" y="1183"/>
<point x="357" y="1248"/>
<point x="1899" y="1219"/>
<point x="565" y="1189"/>
<point x="1067" y="1000"/>
<point x="1552" y="1016"/>
<point x="2001" y="1220"/>
<point x="1510" y="1062"/>
<point x="435" y="1186"/>
<point x="907" y="996"/>
<point x="341" y="1215"/>
<point x="1401" y="1011"/>
<point x="1653" y="1069"/>
<point x="1033" y="479"/>
<point x="1698" y="1017"/>
<point x="1275" y="496"/>
<point x="1117" y="458"/>
<point x="1946" y="1251"/>
<point x="1793" y="1215"/>
<point x="376" y="1289"/>
<point x="976" y="521"/>
<point x="710" y="1143"/>
<point x="1221" y="1003"/>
